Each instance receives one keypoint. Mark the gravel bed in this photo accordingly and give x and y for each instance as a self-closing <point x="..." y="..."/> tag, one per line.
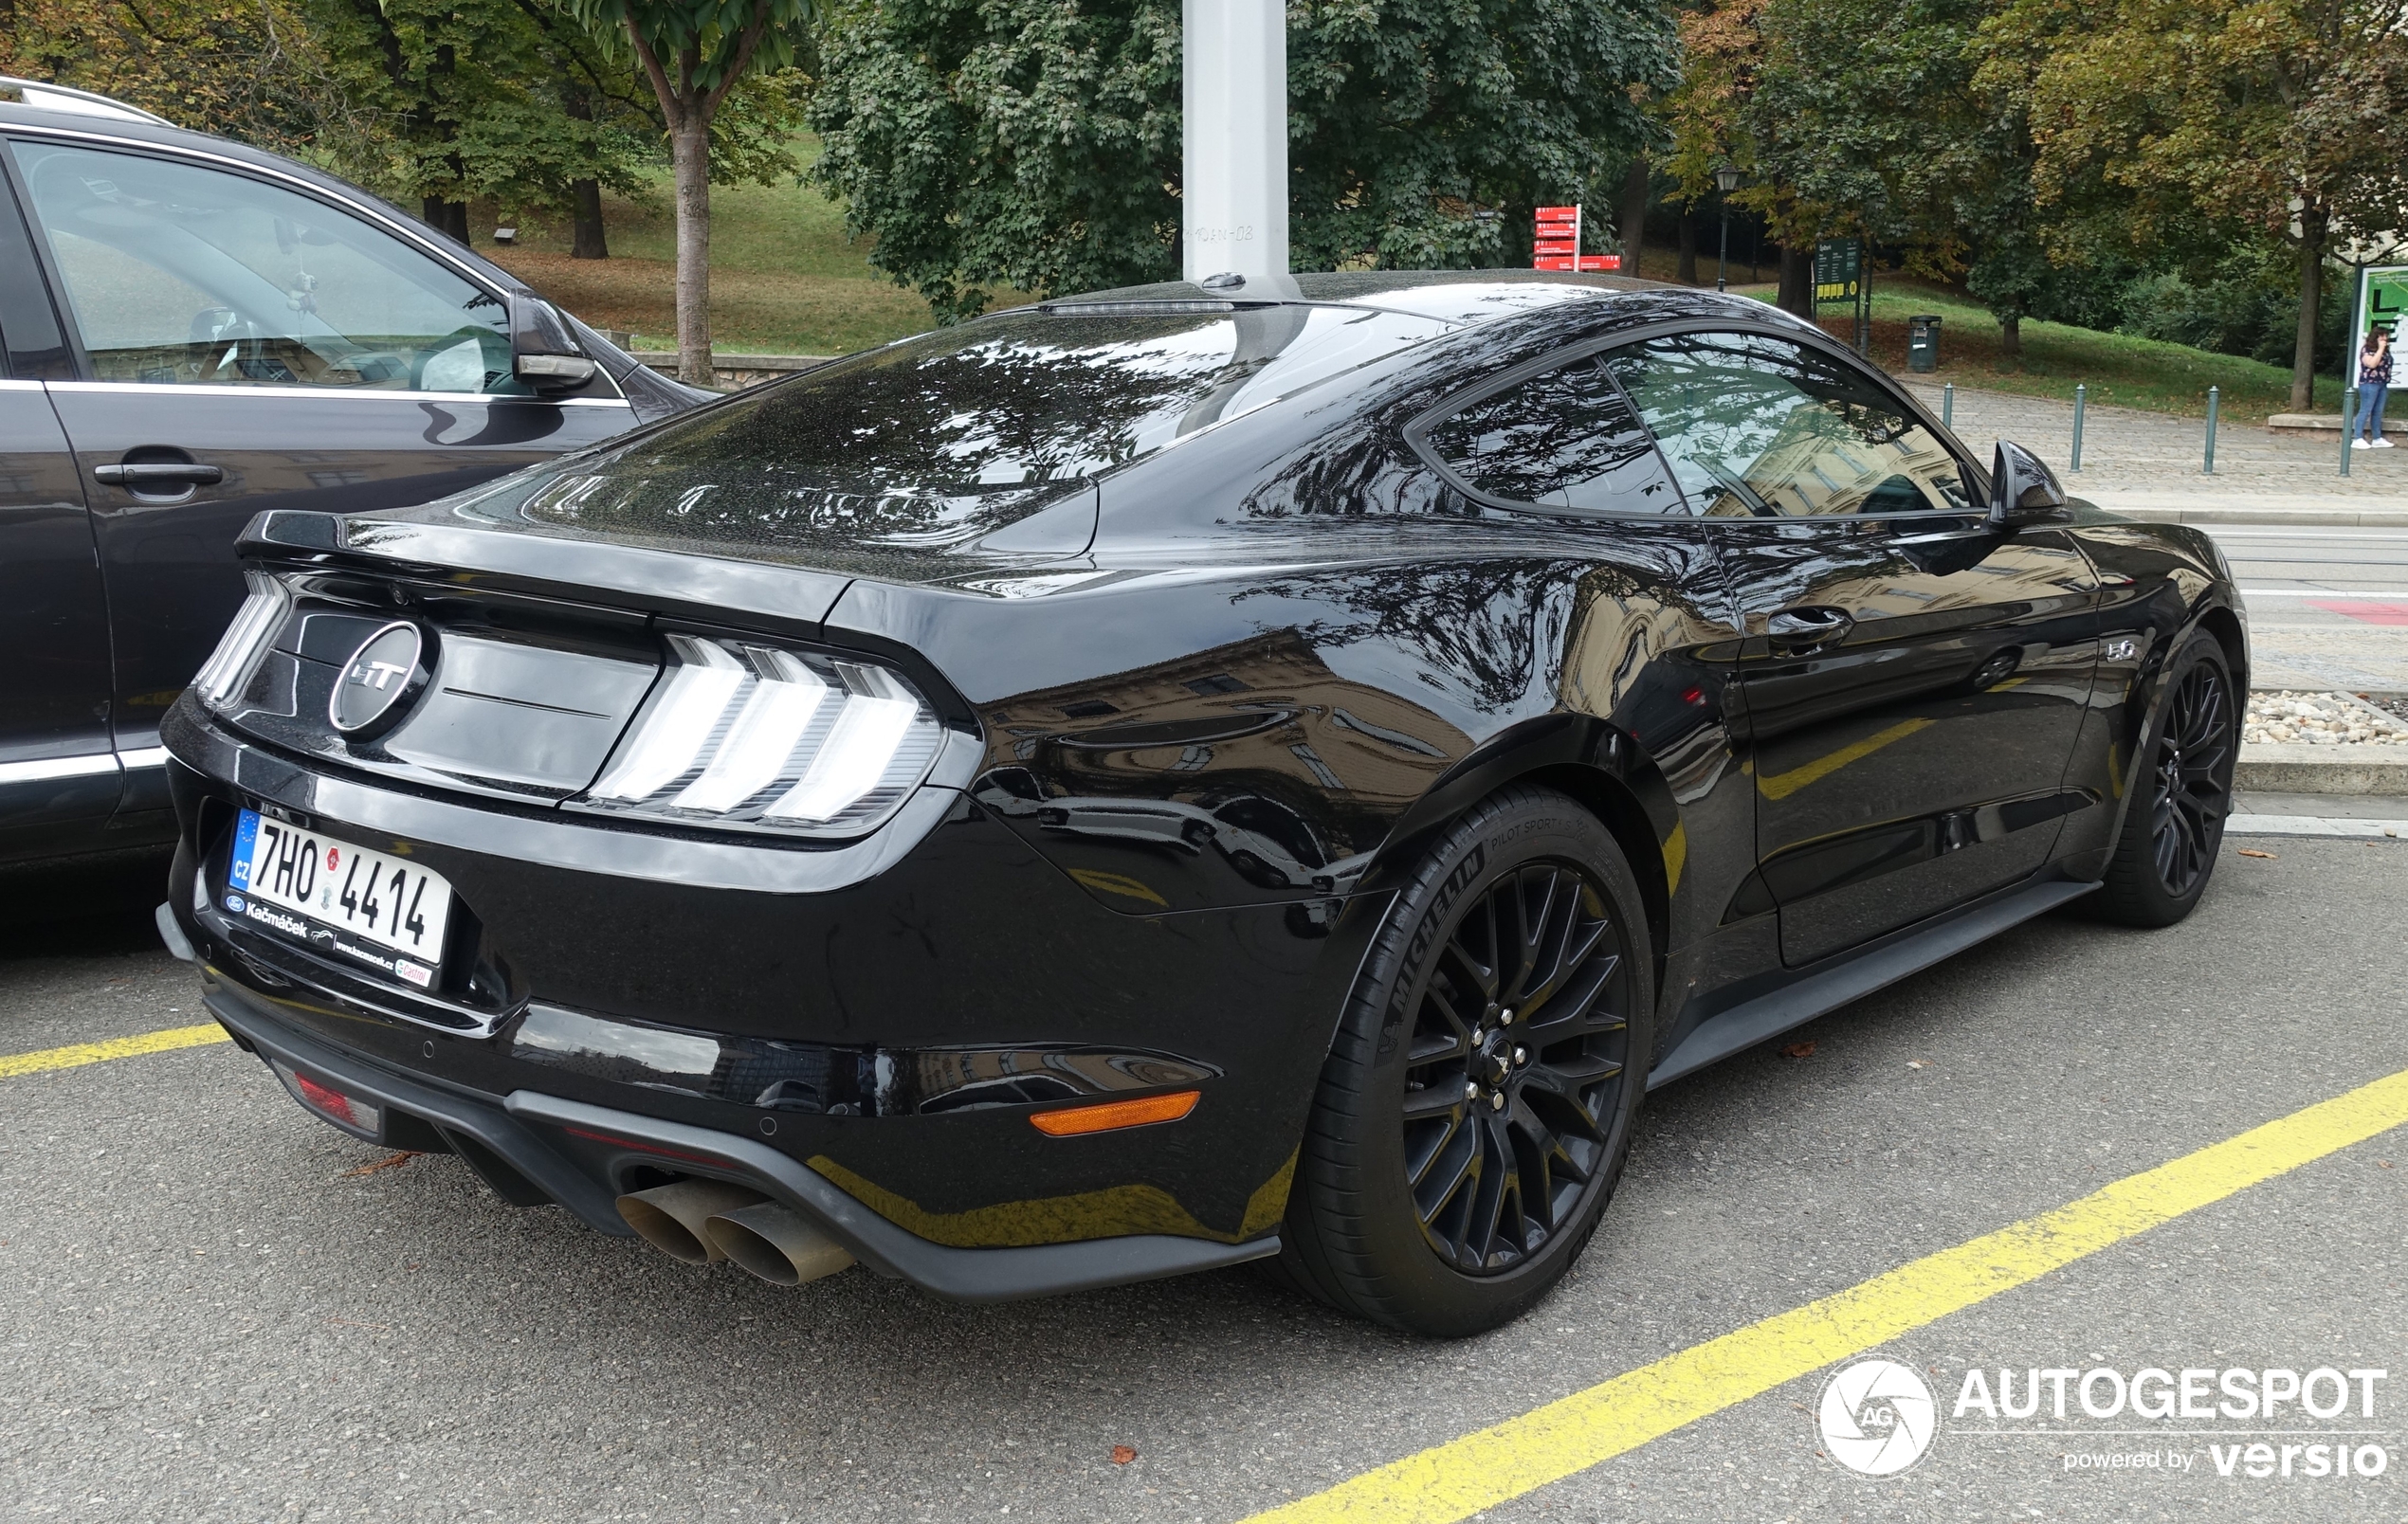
<point x="2291" y="717"/>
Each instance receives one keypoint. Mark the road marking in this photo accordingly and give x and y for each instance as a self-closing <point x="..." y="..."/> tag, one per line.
<point x="1453" y="1481"/>
<point x="2314" y="825"/>
<point x="75" y="1055"/>
<point x="2338" y="596"/>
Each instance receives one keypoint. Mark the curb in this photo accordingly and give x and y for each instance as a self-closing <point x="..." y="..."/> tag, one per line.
<point x="2303" y="517"/>
<point x="2275" y="767"/>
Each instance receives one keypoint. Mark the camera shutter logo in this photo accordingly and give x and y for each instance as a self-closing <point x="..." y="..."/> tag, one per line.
<point x="382" y="675"/>
<point x="1877" y="1418"/>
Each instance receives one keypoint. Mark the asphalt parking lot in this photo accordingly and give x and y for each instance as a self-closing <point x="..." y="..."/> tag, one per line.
<point x="220" y="1310"/>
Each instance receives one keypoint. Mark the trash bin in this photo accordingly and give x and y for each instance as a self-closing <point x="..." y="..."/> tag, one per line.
<point x="1922" y="343"/>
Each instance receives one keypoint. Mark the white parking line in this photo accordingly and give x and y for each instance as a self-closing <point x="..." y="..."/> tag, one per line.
<point x="2312" y="825"/>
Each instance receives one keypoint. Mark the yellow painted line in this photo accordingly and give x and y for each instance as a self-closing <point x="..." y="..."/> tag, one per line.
<point x="1456" y="1480"/>
<point x="75" y="1055"/>
<point x="1781" y="785"/>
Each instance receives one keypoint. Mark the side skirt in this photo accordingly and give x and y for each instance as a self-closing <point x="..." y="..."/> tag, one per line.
<point x="1857" y="974"/>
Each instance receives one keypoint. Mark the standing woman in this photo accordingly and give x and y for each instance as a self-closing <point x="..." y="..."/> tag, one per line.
<point x="2374" y="385"/>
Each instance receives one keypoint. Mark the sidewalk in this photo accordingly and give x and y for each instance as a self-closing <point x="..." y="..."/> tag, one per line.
<point x="2148" y="465"/>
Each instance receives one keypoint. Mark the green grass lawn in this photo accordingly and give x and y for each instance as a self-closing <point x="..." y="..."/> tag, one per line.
<point x="2117" y="368"/>
<point x="784" y="280"/>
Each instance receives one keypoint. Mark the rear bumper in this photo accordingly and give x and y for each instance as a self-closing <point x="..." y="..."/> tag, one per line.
<point x="534" y="1148"/>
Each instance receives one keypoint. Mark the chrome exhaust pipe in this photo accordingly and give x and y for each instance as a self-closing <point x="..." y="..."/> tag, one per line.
<point x="776" y="1244"/>
<point x="670" y="1218"/>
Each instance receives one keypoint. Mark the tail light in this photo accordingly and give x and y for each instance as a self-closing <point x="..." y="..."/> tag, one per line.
<point x="238" y="651"/>
<point x="739" y="732"/>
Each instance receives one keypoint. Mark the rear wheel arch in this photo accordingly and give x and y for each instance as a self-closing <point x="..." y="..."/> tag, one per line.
<point x="1572" y="754"/>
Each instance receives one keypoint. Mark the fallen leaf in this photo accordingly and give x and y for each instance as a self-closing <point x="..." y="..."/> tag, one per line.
<point x="2250" y="851"/>
<point x="1799" y="1050"/>
<point x="2385" y="1163"/>
<point x="381" y="1164"/>
<point x="1123" y="1454"/>
<point x="1914" y="1063"/>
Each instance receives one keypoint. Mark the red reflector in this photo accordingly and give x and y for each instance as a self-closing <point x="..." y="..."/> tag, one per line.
<point x="1114" y="1113"/>
<point x="333" y="1102"/>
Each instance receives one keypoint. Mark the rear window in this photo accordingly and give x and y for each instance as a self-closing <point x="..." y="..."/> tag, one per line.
<point x="941" y="439"/>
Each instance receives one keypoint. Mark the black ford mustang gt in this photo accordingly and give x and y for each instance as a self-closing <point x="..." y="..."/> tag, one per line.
<point x="1169" y="778"/>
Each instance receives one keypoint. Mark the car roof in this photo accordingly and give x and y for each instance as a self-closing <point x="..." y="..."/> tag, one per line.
<point x="1448" y="296"/>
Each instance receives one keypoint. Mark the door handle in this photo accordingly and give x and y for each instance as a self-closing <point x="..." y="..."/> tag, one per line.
<point x="1795" y="628"/>
<point x="144" y="474"/>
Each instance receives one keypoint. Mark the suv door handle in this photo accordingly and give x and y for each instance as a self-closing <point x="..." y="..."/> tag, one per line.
<point x="164" y="471"/>
<point x="1795" y="628"/>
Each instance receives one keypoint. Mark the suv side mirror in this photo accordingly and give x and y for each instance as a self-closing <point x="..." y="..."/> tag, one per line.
<point x="2022" y="488"/>
<point x="543" y="353"/>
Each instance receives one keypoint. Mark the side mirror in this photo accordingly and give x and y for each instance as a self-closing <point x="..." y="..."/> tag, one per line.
<point x="543" y="353"/>
<point x="2022" y="488"/>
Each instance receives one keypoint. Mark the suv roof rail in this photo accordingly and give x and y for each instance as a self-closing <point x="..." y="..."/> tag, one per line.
<point x="66" y="98"/>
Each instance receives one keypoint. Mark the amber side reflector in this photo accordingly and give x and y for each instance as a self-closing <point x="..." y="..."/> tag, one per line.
<point x="1115" y="1114"/>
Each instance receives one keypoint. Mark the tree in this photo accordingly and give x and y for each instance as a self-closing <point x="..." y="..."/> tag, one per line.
<point x="695" y="52"/>
<point x="1035" y="144"/>
<point x="2284" y="117"/>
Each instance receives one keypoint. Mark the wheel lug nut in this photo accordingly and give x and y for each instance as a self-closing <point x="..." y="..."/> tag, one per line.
<point x="1504" y="1017"/>
<point x="1520" y="1056"/>
<point x="1496" y="1100"/>
<point x="1471" y="1091"/>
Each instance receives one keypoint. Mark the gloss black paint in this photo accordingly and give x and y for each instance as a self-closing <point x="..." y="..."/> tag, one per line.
<point x="1203" y="712"/>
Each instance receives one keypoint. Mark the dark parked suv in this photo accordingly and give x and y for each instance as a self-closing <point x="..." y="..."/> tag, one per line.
<point x="194" y="331"/>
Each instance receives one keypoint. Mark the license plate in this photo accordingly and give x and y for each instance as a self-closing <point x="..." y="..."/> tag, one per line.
<point x="381" y="910"/>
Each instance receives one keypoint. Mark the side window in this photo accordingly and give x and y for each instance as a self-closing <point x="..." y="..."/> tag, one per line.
<point x="1758" y="425"/>
<point x="189" y="275"/>
<point x="1564" y="439"/>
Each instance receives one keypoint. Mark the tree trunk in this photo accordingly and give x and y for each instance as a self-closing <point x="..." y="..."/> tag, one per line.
<point x="2011" y="339"/>
<point x="691" y="158"/>
<point x="1635" y="214"/>
<point x="2311" y="301"/>
<point x="1797" y="282"/>
<point x="593" y="239"/>
<point x="445" y="216"/>
<point x="1687" y="274"/>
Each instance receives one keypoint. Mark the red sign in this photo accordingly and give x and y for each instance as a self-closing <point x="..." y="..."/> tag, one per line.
<point x="1554" y="243"/>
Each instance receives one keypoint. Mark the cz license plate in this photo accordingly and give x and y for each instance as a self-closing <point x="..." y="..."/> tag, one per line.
<point x="380" y="909"/>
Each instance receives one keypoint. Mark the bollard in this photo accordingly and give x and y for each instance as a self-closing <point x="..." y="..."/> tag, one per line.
<point x="1949" y="405"/>
<point x="2081" y="395"/>
<point x="2349" y="425"/>
<point x="2209" y="468"/>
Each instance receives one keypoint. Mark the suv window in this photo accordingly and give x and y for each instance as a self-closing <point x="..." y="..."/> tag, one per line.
<point x="1564" y="439"/>
<point x="1757" y="425"/>
<point x="181" y="274"/>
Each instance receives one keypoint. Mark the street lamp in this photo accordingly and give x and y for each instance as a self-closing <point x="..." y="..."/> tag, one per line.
<point x="1725" y="180"/>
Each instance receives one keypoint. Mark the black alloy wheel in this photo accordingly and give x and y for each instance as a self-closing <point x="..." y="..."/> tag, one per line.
<point x="2175" y="824"/>
<point x="1519" y="1043"/>
<point x="2189" y="794"/>
<point x="1477" y="1104"/>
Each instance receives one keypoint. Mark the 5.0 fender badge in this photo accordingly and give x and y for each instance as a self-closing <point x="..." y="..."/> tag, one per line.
<point x="382" y="677"/>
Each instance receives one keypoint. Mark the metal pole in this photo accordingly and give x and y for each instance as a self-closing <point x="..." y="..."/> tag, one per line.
<point x="1948" y="405"/>
<point x="1864" y="297"/>
<point x="2208" y="468"/>
<point x="1234" y="175"/>
<point x="2081" y="397"/>
<point x="1722" y="259"/>
<point x="2349" y="425"/>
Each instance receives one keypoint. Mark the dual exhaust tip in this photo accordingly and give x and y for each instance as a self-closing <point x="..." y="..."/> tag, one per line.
<point x="702" y="1221"/>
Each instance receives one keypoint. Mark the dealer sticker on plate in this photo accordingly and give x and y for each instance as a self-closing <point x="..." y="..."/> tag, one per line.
<point x="381" y="910"/>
